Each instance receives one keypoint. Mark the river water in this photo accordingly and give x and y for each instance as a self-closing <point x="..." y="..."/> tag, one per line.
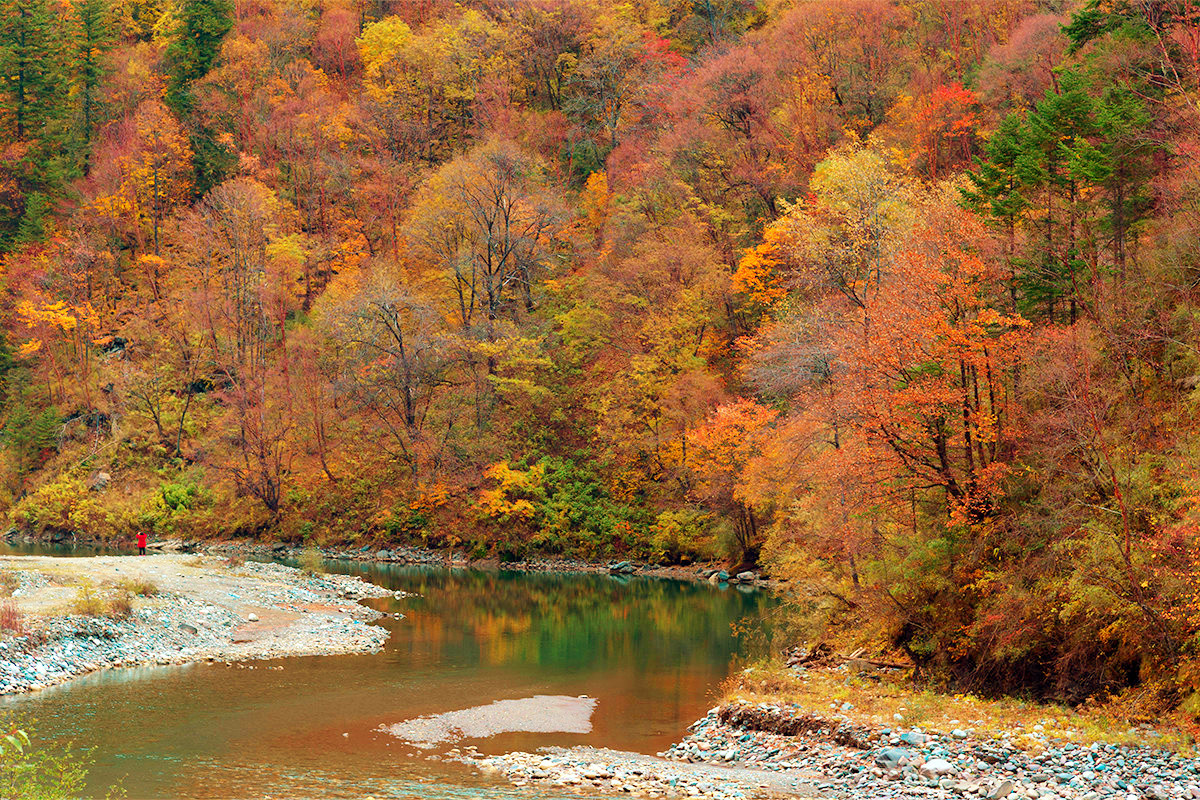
<point x="651" y="652"/>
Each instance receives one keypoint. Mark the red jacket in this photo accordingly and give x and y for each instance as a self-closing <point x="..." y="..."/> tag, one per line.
<point x="141" y="540"/>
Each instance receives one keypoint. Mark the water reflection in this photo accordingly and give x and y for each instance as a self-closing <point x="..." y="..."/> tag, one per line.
<point x="650" y="652"/>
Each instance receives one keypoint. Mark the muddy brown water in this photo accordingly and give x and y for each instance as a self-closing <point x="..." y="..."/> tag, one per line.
<point x="649" y="652"/>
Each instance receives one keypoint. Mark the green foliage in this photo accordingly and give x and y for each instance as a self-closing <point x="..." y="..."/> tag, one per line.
<point x="192" y="53"/>
<point x="195" y="47"/>
<point x="566" y="506"/>
<point x="31" y="437"/>
<point x="181" y="496"/>
<point x="32" y="770"/>
<point x="33" y="222"/>
<point x="405" y="522"/>
<point x="93" y="37"/>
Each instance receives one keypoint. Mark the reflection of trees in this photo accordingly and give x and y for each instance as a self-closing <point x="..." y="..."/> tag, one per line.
<point x="564" y="621"/>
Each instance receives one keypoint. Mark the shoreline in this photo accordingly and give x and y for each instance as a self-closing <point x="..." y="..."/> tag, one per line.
<point x="422" y="556"/>
<point x="771" y="750"/>
<point x="201" y="611"/>
<point x="712" y="573"/>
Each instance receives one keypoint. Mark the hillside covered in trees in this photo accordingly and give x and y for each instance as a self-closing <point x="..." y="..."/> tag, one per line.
<point x="899" y="297"/>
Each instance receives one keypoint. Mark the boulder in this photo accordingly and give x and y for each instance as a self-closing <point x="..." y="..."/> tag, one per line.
<point x="252" y="617"/>
<point x="1002" y="789"/>
<point x="893" y="757"/>
<point x="384" y="555"/>
<point x="99" y="481"/>
<point x="937" y="768"/>
<point x="746" y="576"/>
<point x="186" y="628"/>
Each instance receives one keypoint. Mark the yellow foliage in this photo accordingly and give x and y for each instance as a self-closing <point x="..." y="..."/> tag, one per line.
<point x="758" y="275"/>
<point x="501" y="501"/>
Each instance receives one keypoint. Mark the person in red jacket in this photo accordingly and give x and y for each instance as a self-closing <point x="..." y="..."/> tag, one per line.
<point x="142" y="544"/>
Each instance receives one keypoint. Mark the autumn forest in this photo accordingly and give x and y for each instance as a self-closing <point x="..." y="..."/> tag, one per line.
<point x="898" y="299"/>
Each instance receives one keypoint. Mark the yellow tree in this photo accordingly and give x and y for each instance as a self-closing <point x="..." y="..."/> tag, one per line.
<point x="157" y="174"/>
<point x="420" y="86"/>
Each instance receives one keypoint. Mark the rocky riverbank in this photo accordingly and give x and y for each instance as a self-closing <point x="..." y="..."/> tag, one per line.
<point x="610" y="772"/>
<point x="197" y="609"/>
<point x="856" y="761"/>
<point x="768" y="750"/>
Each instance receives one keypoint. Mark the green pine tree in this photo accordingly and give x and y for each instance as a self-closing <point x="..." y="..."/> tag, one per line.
<point x="31" y="90"/>
<point x="33" y="101"/>
<point x="997" y="190"/>
<point x="93" y="36"/>
<point x="190" y="56"/>
<point x="1119" y="160"/>
<point x="1060" y="120"/>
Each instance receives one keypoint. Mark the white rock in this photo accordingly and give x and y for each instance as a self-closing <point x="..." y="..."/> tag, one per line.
<point x="937" y="767"/>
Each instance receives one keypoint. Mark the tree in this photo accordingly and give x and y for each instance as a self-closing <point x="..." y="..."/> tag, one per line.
<point x="722" y="448"/>
<point x="158" y="174"/>
<point x="32" y="87"/>
<point x="194" y="48"/>
<point x="193" y="51"/>
<point x="487" y="222"/>
<point x="32" y="105"/>
<point x="94" y="38"/>
<point x="396" y="366"/>
<point x="1118" y="159"/>
<point x="997" y="190"/>
<point x="420" y="87"/>
<point x="942" y="129"/>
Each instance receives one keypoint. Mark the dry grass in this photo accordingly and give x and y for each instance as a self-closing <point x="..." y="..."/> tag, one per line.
<point x="119" y="604"/>
<point x="8" y="583"/>
<point x="12" y="622"/>
<point x="142" y="587"/>
<point x="887" y="700"/>
<point x="234" y="560"/>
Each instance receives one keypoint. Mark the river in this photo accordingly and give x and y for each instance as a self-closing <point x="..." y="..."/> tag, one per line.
<point x="651" y="652"/>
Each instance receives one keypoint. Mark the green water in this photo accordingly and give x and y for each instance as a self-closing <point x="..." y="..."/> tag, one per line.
<point x="651" y="651"/>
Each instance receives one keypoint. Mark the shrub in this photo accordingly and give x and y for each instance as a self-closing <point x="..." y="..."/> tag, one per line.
<point x="32" y="771"/>
<point x="176" y="508"/>
<point x="8" y="583"/>
<point x="66" y="505"/>
<point x="683" y="535"/>
<point x="566" y="506"/>
<point x="234" y="560"/>
<point x="87" y="602"/>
